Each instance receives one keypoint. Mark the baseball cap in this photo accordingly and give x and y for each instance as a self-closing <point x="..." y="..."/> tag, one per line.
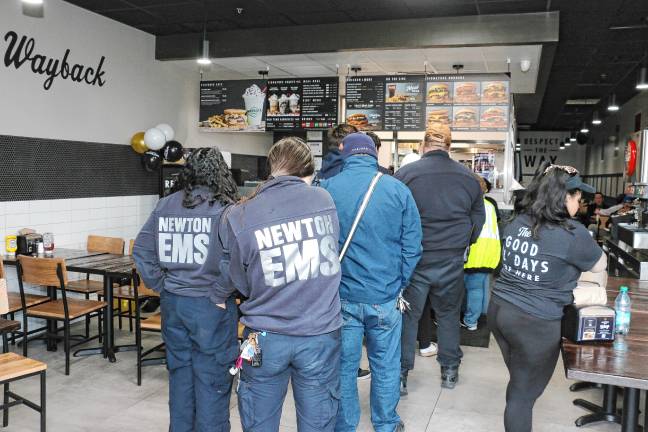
<point x="358" y="143"/>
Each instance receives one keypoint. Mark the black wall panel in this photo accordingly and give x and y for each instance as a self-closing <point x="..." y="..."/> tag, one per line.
<point x="35" y="169"/>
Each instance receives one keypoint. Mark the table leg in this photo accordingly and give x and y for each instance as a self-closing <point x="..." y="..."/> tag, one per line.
<point x="5" y="343"/>
<point x="108" y="342"/>
<point x="630" y="410"/>
<point x="584" y="385"/>
<point x="52" y="325"/>
<point x="608" y="412"/>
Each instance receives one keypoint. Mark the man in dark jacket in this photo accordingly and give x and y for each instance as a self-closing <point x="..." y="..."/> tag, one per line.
<point x="332" y="162"/>
<point x="378" y="263"/>
<point x="451" y="206"/>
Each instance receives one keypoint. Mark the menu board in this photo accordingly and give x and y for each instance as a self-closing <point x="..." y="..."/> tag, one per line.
<point x="227" y="106"/>
<point x="467" y="102"/>
<point x="302" y="103"/>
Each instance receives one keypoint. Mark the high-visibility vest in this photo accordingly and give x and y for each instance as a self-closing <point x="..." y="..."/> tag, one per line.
<point x="485" y="252"/>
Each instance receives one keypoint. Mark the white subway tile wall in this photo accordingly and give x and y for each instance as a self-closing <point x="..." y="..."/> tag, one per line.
<point x="72" y="220"/>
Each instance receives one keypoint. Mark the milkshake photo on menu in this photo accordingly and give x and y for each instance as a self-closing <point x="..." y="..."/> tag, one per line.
<point x="229" y="106"/>
<point x="284" y="98"/>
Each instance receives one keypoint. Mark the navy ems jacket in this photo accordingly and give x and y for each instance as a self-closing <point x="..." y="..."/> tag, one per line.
<point x="178" y="250"/>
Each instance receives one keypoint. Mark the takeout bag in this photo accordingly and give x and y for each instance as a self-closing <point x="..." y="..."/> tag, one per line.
<point x="590" y="289"/>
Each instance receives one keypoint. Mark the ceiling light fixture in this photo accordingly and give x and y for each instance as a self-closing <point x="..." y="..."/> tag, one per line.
<point x="596" y="120"/>
<point x="562" y="146"/>
<point x="642" y="82"/>
<point x="33" y="2"/>
<point x="204" y="59"/>
<point x="584" y="128"/>
<point x="612" y="105"/>
<point x="572" y="138"/>
<point x="567" y="142"/>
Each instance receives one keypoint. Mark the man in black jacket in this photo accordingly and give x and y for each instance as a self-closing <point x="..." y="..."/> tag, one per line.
<point x="451" y="206"/>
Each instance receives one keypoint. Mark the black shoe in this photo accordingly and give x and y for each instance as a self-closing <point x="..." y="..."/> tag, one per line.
<point x="364" y="374"/>
<point x="400" y="427"/>
<point x="403" y="387"/>
<point x="449" y="376"/>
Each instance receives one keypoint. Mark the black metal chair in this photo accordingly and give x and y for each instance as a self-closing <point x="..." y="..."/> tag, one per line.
<point x="152" y="323"/>
<point x="51" y="272"/>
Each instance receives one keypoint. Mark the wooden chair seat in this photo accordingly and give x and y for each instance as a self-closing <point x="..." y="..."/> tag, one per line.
<point x="30" y="300"/>
<point x="14" y="366"/>
<point x="127" y="292"/>
<point x="154" y="323"/>
<point x="54" y="309"/>
<point x="85" y="286"/>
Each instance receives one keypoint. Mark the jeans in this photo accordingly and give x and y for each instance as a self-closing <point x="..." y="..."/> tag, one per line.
<point x="201" y="346"/>
<point x="441" y="279"/>
<point x="381" y="325"/>
<point x="530" y="347"/>
<point x="476" y="296"/>
<point x="311" y="363"/>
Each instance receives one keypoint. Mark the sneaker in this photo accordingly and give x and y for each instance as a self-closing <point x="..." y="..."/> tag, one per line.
<point x="429" y="351"/>
<point x="364" y="374"/>
<point x="469" y="327"/>
<point x="449" y="377"/>
<point x="403" y="385"/>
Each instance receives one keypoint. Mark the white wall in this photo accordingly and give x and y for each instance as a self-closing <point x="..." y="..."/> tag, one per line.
<point x="603" y="137"/>
<point x="545" y="145"/>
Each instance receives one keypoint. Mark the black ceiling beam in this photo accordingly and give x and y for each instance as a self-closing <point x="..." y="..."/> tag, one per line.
<point x="482" y="30"/>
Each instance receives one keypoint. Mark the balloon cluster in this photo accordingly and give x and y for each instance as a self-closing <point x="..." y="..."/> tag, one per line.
<point x="155" y="144"/>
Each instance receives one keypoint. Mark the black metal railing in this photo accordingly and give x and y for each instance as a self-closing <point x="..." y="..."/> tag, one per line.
<point x="609" y="184"/>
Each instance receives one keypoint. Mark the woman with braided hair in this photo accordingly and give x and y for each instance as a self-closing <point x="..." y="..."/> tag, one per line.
<point x="177" y="253"/>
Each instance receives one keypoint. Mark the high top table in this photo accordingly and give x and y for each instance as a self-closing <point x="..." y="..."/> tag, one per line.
<point x="601" y="363"/>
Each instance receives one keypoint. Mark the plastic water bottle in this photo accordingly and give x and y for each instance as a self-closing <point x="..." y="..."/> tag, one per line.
<point x="622" y="306"/>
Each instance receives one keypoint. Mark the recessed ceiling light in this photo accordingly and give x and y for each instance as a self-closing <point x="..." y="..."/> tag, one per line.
<point x="582" y="102"/>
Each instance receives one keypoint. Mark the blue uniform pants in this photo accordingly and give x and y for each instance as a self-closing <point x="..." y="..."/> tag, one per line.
<point x="381" y="325"/>
<point x="201" y="346"/>
<point x="311" y="363"/>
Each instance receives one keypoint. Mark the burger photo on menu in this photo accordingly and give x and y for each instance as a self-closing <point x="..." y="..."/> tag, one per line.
<point x="493" y="117"/>
<point x="438" y="114"/>
<point x="465" y="117"/>
<point x="439" y="93"/>
<point x="495" y="92"/>
<point x="403" y="92"/>
<point x="466" y="93"/>
<point x="366" y="119"/>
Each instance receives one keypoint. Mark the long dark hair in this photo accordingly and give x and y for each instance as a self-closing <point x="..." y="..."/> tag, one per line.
<point x="206" y="167"/>
<point x="544" y="201"/>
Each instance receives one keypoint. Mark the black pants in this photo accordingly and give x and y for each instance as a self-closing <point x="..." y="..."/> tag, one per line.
<point x="530" y="347"/>
<point x="441" y="280"/>
<point x="425" y="326"/>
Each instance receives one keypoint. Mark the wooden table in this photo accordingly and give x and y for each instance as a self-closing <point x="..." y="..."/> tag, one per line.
<point x="110" y="267"/>
<point x="602" y="363"/>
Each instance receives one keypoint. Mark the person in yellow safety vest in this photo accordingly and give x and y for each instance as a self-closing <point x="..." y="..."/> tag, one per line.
<point x="483" y="258"/>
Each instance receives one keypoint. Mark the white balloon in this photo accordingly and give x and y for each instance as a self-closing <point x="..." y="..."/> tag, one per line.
<point x="154" y="139"/>
<point x="166" y="130"/>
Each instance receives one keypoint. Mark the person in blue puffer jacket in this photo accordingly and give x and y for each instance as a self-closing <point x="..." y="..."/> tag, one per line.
<point x="378" y="264"/>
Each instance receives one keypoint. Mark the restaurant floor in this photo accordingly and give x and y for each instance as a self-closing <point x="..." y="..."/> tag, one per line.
<point x="100" y="397"/>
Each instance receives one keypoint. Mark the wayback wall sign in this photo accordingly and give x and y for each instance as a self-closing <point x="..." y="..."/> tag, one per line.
<point x="21" y="54"/>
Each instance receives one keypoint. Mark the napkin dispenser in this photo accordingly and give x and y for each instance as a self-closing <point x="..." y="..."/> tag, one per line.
<point x="28" y="244"/>
<point x="588" y="323"/>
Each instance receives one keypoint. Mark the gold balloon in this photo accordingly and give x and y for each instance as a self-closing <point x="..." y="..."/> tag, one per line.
<point x="137" y="143"/>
